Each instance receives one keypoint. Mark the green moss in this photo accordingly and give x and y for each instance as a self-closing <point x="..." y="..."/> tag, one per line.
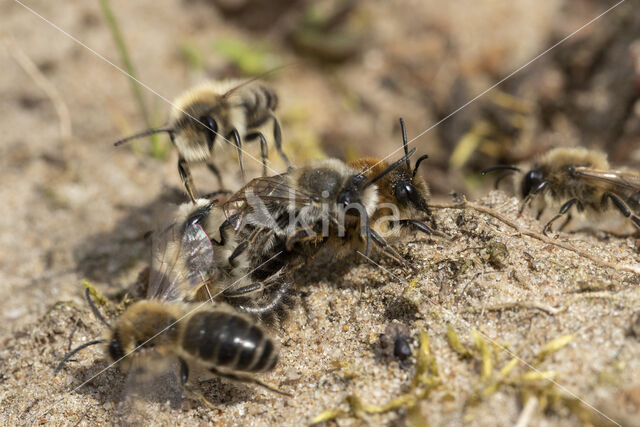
<point x="251" y="60"/>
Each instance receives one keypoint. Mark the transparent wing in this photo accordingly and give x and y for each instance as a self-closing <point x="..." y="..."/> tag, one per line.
<point x="152" y="381"/>
<point x="263" y="196"/>
<point x="182" y="260"/>
<point x="276" y="188"/>
<point x="623" y="180"/>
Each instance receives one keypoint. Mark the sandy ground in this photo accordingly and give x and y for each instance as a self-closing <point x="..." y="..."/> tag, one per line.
<point x="76" y="209"/>
<point x="519" y="299"/>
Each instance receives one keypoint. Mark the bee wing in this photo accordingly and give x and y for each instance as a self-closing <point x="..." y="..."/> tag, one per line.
<point x="266" y="189"/>
<point x="152" y="380"/>
<point x="626" y="180"/>
<point x="181" y="261"/>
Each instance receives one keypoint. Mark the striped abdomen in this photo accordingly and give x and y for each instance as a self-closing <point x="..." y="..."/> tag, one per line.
<point x="228" y="340"/>
<point x="259" y="102"/>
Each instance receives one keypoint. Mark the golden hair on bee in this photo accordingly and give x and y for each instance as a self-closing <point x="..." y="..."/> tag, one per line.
<point x="231" y="111"/>
<point x="198" y="255"/>
<point x="565" y="178"/>
<point x="205" y="339"/>
<point x="403" y="193"/>
<point x="325" y="204"/>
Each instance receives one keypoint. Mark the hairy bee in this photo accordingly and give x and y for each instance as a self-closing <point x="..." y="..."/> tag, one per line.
<point x="199" y="255"/>
<point x="153" y="338"/>
<point x="234" y="111"/>
<point x="325" y="204"/>
<point x="403" y="194"/>
<point x="243" y="251"/>
<point x="568" y="177"/>
<point x="240" y="252"/>
<point x="200" y="337"/>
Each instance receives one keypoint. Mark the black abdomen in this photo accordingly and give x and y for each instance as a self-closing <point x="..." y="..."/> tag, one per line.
<point x="259" y="104"/>
<point x="230" y="341"/>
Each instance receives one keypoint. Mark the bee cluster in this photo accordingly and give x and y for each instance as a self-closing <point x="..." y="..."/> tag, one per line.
<point x="222" y="266"/>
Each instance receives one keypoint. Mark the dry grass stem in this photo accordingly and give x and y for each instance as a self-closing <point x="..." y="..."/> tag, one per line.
<point x="539" y="236"/>
<point x="64" y="118"/>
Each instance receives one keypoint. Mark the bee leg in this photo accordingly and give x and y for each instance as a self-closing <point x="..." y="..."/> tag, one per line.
<point x="264" y="149"/>
<point x="420" y="226"/>
<point x="257" y="286"/>
<point x="300" y="236"/>
<point x="214" y="169"/>
<point x="249" y="380"/>
<point x="236" y="138"/>
<point x="187" y="179"/>
<point x="272" y="305"/>
<point x="237" y="252"/>
<point x="198" y="397"/>
<point x="531" y="195"/>
<point x="386" y="248"/>
<point x="223" y="239"/>
<point x="367" y="231"/>
<point x="623" y="208"/>
<point x="524" y="203"/>
<point x="563" y="210"/>
<point x="188" y="391"/>
<point x="565" y="223"/>
<point x="243" y="291"/>
<point x="277" y="137"/>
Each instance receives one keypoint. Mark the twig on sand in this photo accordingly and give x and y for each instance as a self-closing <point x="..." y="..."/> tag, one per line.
<point x="483" y="209"/>
<point x="516" y="304"/>
<point x="527" y="412"/>
<point x="43" y="83"/>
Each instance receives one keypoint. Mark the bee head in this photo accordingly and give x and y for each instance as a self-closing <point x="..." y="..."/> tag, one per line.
<point x="532" y="180"/>
<point x="200" y="215"/>
<point x="142" y="326"/>
<point x="115" y="347"/>
<point x="406" y="189"/>
<point x="411" y="190"/>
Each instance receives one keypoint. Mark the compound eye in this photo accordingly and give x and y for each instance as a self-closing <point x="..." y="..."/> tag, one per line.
<point x="404" y="192"/>
<point x="532" y="180"/>
<point x="115" y="349"/>
<point x="199" y="216"/>
<point x="209" y="123"/>
<point x="211" y="129"/>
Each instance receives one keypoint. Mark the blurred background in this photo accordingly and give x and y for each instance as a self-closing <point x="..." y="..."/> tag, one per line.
<point x="74" y="207"/>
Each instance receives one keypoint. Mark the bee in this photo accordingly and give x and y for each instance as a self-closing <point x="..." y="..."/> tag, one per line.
<point x="568" y="177"/>
<point x="152" y="336"/>
<point x="324" y="204"/>
<point x="199" y="256"/>
<point x="242" y="252"/>
<point x="200" y="337"/>
<point x="403" y="194"/>
<point x="234" y="111"/>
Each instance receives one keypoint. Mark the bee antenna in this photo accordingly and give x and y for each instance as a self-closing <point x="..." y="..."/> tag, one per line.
<point x="141" y="134"/>
<point x="69" y="355"/>
<point x="391" y="167"/>
<point x="94" y="309"/>
<point x="500" y="167"/>
<point x="417" y="164"/>
<point x="272" y="389"/>
<point x="404" y="142"/>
